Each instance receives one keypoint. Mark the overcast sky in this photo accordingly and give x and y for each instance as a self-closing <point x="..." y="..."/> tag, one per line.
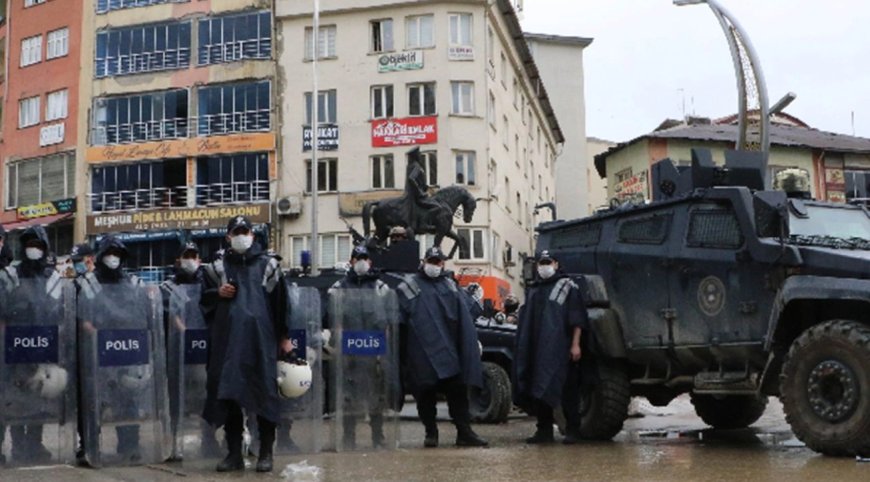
<point x="648" y="54"/>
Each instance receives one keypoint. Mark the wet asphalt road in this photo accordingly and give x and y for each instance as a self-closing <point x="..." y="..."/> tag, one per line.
<point x="667" y="444"/>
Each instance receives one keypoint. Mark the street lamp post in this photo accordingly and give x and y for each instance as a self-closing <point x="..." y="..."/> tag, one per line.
<point x="751" y="87"/>
<point x="313" y="247"/>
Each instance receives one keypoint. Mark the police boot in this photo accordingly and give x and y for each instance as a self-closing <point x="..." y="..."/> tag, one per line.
<point x="128" y="442"/>
<point x="466" y="437"/>
<point x="572" y="436"/>
<point x="431" y="440"/>
<point x="37" y="450"/>
<point x="20" y="444"/>
<point x="348" y="440"/>
<point x="377" y="424"/>
<point x="233" y="461"/>
<point x="209" y="447"/>
<point x="267" y="442"/>
<point x="543" y="434"/>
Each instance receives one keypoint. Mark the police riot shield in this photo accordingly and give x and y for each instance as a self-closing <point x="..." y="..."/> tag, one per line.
<point x="186" y="357"/>
<point x="302" y="391"/>
<point x="365" y="369"/>
<point x="37" y="370"/>
<point x="123" y="382"/>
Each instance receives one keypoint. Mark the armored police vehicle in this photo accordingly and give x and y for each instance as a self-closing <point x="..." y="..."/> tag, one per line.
<point x="729" y="292"/>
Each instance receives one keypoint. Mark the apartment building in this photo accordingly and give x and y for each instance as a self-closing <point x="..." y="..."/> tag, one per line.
<point x="39" y="84"/>
<point x="178" y="97"/>
<point x="453" y="78"/>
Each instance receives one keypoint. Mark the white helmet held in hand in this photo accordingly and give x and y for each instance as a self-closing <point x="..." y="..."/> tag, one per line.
<point x="294" y="380"/>
<point x="49" y="381"/>
<point x="136" y="378"/>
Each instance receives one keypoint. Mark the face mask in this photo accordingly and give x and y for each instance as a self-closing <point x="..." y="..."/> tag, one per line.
<point x="111" y="261"/>
<point x="361" y="267"/>
<point x="241" y="242"/>
<point x="432" y="270"/>
<point x="33" y="254"/>
<point x="189" y="265"/>
<point x="546" y="271"/>
<point x="80" y="267"/>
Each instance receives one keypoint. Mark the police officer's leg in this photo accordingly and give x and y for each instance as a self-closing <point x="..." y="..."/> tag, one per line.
<point x="544" y="431"/>
<point x="457" y="404"/>
<point x="210" y="446"/>
<point x="37" y="449"/>
<point x="285" y="440"/>
<point x="267" y="443"/>
<point x="20" y="452"/>
<point x="233" y="430"/>
<point x="570" y="404"/>
<point x="426" y="400"/>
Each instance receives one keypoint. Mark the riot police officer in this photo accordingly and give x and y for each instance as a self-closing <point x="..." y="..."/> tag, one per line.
<point x="27" y="443"/>
<point x="546" y="372"/>
<point x="83" y="259"/>
<point x="243" y="302"/>
<point x="361" y="276"/>
<point x="440" y="347"/>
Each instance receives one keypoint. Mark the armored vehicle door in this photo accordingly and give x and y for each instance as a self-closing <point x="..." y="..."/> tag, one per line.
<point x="716" y="287"/>
<point x="635" y="265"/>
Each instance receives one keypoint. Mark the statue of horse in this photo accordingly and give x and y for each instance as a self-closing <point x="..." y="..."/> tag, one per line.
<point x="439" y="221"/>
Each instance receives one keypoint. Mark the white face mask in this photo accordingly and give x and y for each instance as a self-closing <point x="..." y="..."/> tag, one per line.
<point x="361" y="267"/>
<point x="189" y="265"/>
<point x="432" y="270"/>
<point x="546" y="271"/>
<point x="33" y="254"/>
<point x="242" y="242"/>
<point x="111" y="261"/>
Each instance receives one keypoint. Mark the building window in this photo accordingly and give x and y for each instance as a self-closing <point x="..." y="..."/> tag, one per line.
<point x="228" y="108"/>
<point x="430" y="166"/>
<point x="465" y="167"/>
<point x="463" y="98"/>
<point x="419" y="31"/>
<point x="39" y="180"/>
<point x="30" y="3"/>
<point x="496" y="249"/>
<point x="623" y="175"/>
<point x="490" y="111"/>
<point x="58" y="43"/>
<point x="235" y="37"/>
<point x="143" y="185"/>
<point x="516" y="92"/>
<point x="476" y="239"/>
<point x="490" y="46"/>
<point x="31" y="50"/>
<point x="857" y="186"/>
<point x="460" y="29"/>
<point x="382" y="101"/>
<point x="505" y="135"/>
<point x="421" y="99"/>
<point x="503" y="70"/>
<point x="104" y="6"/>
<point x="298" y="244"/>
<point x="325" y="42"/>
<point x="382" y="35"/>
<point x="142" y="117"/>
<point x="144" y="48"/>
<point x="326" y="107"/>
<point x="28" y="112"/>
<point x="520" y="209"/>
<point x="327" y="175"/>
<point x="334" y="250"/>
<point x="383" y="174"/>
<point x="236" y="178"/>
<point x="56" y="105"/>
<point x="507" y="193"/>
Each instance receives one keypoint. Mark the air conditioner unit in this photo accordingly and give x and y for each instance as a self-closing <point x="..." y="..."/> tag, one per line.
<point x="507" y="257"/>
<point x="289" y="206"/>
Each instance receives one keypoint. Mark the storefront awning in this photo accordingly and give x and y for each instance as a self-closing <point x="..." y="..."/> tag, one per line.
<point x="43" y="221"/>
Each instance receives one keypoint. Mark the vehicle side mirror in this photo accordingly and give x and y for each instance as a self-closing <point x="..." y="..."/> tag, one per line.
<point x="771" y="214"/>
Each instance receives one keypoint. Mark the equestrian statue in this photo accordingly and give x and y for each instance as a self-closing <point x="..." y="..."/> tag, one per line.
<point x="419" y="212"/>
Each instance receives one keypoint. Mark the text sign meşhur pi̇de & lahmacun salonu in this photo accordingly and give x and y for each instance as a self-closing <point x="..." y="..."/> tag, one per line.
<point x="405" y="132"/>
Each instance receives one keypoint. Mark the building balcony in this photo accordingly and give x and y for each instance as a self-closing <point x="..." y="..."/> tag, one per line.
<point x="215" y="194"/>
<point x="180" y="128"/>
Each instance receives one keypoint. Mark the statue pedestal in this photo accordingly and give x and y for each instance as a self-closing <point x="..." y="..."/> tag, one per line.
<point x="402" y="257"/>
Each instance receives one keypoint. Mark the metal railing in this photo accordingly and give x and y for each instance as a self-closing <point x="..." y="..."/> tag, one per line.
<point x="177" y="197"/>
<point x="260" y="48"/>
<point x="230" y="193"/>
<point x="143" y="62"/>
<point x="180" y="128"/>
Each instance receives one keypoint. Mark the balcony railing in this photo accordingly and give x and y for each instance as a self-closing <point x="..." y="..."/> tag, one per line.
<point x="177" y="197"/>
<point x="236" y="50"/>
<point x="152" y="275"/>
<point x="180" y="128"/>
<point x="143" y="62"/>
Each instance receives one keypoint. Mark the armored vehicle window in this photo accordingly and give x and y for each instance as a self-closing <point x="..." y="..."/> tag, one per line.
<point x="585" y="235"/>
<point x="646" y="230"/>
<point x="714" y="227"/>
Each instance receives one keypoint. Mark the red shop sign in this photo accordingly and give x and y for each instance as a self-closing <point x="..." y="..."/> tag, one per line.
<point x="404" y="132"/>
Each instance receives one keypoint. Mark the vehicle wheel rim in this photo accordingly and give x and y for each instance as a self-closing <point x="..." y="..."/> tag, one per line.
<point x="833" y="391"/>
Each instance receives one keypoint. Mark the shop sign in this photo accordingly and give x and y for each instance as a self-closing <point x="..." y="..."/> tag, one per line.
<point x="197" y="146"/>
<point x="405" y="132"/>
<point x="636" y="184"/>
<point x="51" y="134"/>
<point x="351" y="203"/>
<point x="165" y="219"/>
<point x="327" y="137"/>
<point x="411" y="60"/>
<point x="34" y="211"/>
<point x="460" y="52"/>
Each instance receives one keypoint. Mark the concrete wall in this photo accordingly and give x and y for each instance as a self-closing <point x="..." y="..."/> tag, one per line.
<point x="596" y="186"/>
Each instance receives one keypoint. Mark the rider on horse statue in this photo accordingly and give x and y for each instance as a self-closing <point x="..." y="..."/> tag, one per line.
<point x="419" y="203"/>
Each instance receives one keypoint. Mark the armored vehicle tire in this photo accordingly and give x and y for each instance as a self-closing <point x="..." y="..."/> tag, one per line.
<point x="492" y="403"/>
<point x="825" y="388"/>
<point x="729" y="411"/>
<point x="604" y="406"/>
